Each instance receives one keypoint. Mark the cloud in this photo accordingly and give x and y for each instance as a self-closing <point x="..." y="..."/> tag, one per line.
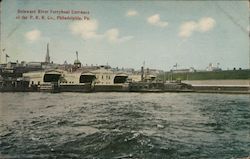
<point x="187" y="29"/>
<point x="156" y="21"/>
<point x="33" y="35"/>
<point x="131" y="13"/>
<point x="88" y="30"/>
<point x="113" y="36"/>
<point x="205" y="24"/>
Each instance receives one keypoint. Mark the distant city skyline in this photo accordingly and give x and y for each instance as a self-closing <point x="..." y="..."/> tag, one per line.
<point x="126" y="33"/>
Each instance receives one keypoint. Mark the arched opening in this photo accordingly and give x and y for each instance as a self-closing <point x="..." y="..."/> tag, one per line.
<point x="120" y="79"/>
<point x="51" y="77"/>
<point x="87" y="78"/>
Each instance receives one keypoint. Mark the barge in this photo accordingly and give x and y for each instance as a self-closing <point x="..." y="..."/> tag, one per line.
<point x="176" y="86"/>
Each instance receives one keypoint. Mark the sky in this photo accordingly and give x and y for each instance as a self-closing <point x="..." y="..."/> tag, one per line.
<point x="127" y="33"/>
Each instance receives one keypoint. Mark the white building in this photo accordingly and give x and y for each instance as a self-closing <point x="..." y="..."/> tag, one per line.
<point x="100" y="76"/>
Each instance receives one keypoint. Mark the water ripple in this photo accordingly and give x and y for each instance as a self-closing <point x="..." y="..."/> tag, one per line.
<point x="124" y="125"/>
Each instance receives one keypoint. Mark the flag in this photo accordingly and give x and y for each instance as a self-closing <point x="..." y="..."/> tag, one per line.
<point x="7" y="56"/>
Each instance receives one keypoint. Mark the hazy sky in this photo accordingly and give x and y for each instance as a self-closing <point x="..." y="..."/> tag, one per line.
<point x="126" y="33"/>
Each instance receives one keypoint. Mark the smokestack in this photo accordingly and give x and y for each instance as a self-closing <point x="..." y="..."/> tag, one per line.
<point x="142" y="73"/>
<point x="77" y="55"/>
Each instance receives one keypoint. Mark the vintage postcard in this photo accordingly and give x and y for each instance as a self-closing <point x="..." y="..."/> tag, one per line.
<point x="110" y="79"/>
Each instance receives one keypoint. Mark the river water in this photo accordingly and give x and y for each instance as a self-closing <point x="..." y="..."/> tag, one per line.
<point x="124" y="125"/>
